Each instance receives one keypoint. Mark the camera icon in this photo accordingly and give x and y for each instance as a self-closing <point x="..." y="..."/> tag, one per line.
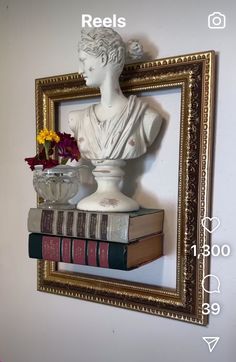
<point x="216" y="20"/>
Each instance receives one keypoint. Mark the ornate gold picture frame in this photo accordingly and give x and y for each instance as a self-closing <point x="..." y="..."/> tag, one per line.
<point x="194" y="74"/>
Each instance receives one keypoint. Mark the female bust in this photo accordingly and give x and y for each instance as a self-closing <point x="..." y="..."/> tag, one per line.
<point x="117" y="127"/>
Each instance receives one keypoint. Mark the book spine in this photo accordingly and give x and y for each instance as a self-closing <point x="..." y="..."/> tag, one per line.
<point x="87" y="225"/>
<point x="78" y="251"/>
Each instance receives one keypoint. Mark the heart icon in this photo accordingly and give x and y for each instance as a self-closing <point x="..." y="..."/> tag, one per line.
<point x="211" y="224"/>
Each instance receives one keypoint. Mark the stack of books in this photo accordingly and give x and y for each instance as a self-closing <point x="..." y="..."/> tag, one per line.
<point x="121" y="241"/>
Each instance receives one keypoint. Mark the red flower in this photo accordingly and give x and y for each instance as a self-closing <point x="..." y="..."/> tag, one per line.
<point x="66" y="149"/>
<point x="35" y="161"/>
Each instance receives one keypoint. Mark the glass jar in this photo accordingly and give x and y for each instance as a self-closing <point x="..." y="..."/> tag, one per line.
<point x="56" y="186"/>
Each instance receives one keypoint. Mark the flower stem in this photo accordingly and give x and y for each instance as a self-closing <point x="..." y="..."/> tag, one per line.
<point x="64" y="160"/>
<point x="47" y="146"/>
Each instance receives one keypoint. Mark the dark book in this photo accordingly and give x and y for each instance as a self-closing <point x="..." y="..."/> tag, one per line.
<point x="96" y="253"/>
<point x="119" y="227"/>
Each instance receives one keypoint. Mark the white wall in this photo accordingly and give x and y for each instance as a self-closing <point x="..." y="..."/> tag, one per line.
<point x="39" y="38"/>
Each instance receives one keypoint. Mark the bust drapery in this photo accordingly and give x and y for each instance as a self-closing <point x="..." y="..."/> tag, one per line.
<point x="126" y="135"/>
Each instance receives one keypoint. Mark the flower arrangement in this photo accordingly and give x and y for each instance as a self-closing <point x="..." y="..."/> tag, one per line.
<point x="55" y="148"/>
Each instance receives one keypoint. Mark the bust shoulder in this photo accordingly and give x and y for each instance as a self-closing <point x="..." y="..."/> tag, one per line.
<point x="74" y="117"/>
<point x="152" y="122"/>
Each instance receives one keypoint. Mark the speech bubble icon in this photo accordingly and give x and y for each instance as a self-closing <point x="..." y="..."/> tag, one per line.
<point x="206" y="280"/>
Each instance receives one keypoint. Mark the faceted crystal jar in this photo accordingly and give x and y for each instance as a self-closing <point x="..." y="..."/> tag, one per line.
<point x="56" y="186"/>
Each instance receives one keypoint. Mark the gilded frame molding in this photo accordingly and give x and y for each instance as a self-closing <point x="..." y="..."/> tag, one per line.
<point x="195" y="75"/>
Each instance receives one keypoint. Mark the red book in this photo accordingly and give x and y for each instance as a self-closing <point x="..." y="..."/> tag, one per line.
<point x="92" y="252"/>
<point x="79" y="251"/>
<point x="96" y="253"/>
<point x="66" y="250"/>
<point x="51" y="248"/>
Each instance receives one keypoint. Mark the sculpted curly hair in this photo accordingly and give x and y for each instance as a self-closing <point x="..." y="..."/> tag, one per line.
<point x="99" y="41"/>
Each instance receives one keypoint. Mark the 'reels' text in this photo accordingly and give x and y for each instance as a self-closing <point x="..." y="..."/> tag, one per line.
<point x="88" y="20"/>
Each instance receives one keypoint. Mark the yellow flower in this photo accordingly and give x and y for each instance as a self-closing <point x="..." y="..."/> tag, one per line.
<point x="47" y="135"/>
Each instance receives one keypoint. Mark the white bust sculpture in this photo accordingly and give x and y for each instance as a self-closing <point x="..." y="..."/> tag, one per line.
<point x="117" y="128"/>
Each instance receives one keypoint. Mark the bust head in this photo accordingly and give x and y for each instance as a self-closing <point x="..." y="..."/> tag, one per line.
<point x="103" y="49"/>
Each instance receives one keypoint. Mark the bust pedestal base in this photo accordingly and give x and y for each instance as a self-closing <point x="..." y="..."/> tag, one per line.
<point x="108" y="197"/>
